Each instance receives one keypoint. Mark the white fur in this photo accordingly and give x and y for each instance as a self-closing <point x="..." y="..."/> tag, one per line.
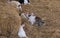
<point x="32" y="19"/>
<point x="26" y="2"/>
<point x="21" y="32"/>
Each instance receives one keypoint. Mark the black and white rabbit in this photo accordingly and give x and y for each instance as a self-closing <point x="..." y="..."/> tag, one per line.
<point x="35" y="20"/>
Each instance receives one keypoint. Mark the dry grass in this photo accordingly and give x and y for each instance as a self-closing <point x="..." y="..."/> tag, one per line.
<point x="9" y="20"/>
<point x="46" y="9"/>
<point x="50" y="11"/>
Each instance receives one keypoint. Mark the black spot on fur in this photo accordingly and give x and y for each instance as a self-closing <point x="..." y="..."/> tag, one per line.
<point x="39" y="21"/>
<point x="21" y="1"/>
<point x="29" y="15"/>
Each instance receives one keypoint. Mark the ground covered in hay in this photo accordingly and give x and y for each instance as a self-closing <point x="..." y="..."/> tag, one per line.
<point x="49" y="10"/>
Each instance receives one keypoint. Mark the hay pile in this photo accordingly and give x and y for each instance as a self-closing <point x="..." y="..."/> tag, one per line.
<point x="9" y="20"/>
<point x="47" y="9"/>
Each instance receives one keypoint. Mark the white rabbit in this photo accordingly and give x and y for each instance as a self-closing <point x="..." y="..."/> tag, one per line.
<point x="35" y="19"/>
<point x="21" y="32"/>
